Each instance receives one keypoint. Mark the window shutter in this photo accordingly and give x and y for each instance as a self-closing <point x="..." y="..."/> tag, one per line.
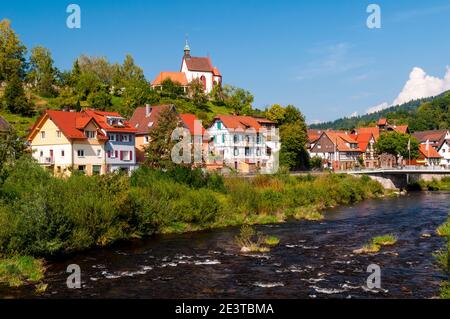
<point x="131" y="155"/>
<point x="121" y="137"/>
<point x="109" y="153"/>
<point x="116" y="154"/>
<point x="121" y="155"/>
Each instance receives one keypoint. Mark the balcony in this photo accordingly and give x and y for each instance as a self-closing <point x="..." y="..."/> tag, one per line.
<point x="46" y="160"/>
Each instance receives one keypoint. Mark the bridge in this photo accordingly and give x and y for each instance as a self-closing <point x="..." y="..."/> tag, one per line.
<point x="401" y="177"/>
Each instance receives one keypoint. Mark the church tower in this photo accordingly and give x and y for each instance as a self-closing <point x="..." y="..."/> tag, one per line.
<point x="187" y="50"/>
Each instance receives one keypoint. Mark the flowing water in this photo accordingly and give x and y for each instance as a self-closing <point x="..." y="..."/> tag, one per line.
<point x="313" y="260"/>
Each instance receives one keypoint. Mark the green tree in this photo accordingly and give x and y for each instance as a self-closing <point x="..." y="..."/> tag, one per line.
<point x="158" y="151"/>
<point x="197" y="93"/>
<point x="12" y="147"/>
<point x="100" y="100"/>
<point x="276" y="113"/>
<point x="42" y="72"/>
<point x="171" y="89"/>
<point x="14" y="98"/>
<point x="66" y="98"/>
<point x="238" y="100"/>
<point x="12" y="53"/>
<point x="137" y="93"/>
<point x="87" y="83"/>
<point x="293" y="152"/>
<point x="395" y="143"/>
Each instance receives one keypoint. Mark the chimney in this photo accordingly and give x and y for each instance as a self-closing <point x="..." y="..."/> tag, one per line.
<point x="148" y="110"/>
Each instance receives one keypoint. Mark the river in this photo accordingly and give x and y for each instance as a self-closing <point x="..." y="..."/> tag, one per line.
<point x="313" y="260"/>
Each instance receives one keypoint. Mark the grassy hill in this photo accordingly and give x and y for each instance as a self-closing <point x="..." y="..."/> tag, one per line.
<point x="406" y="113"/>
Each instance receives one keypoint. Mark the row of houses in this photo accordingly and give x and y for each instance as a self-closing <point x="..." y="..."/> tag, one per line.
<point x="343" y="150"/>
<point x="98" y="142"/>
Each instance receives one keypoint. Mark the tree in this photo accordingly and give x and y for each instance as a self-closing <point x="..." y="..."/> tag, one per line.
<point x="14" y="97"/>
<point x="42" y="73"/>
<point x="130" y="72"/>
<point x="395" y="143"/>
<point x="158" y="152"/>
<point x="12" y="147"/>
<point x="87" y="83"/>
<point x="67" y="98"/>
<point x="217" y="95"/>
<point x="137" y="93"/>
<point x="171" y="89"/>
<point x="239" y="100"/>
<point x="276" y="113"/>
<point x="197" y="93"/>
<point x="100" y="100"/>
<point x="293" y="152"/>
<point x="12" y="53"/>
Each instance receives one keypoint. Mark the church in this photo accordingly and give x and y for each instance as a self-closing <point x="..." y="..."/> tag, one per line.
<point x="192" y="68"/>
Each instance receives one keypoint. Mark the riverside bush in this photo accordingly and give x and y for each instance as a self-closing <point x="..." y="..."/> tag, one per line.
<point x="41" y="215"/>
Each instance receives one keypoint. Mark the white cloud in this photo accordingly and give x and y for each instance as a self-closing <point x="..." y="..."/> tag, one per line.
<point x="378" y="108"/>
<point x="419" y="85"/>
<point x="354" y="114"/>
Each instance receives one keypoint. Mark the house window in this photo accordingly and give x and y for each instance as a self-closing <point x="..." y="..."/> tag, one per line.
<point x="41" y="154"/>
<point x="258" y="152"/>
<point x="112" y="137"/>
<point x="258" y="139"/>
<point x="80" y="153"/>
<point x="125" y="138"/>
<point x="125" y="155"/>
<point x="236" y="151"/>
<point x="99" y="153"/>
<point x="219" y="125"/>
<point x="43" y="134"/>
<point x="62" y="153"/>
<point x="96" y="169"/>
<point x="58" y="134"/>
<point x="247" y="151"/>
<point x="146" y="139"/>
<point x="223" y="138"/>
<point x="236" y="139"/>
<point x="90" y="134"/>
<point x="81" y="168"/>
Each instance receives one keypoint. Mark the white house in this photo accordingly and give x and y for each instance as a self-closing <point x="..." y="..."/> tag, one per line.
<point x="245" y="143"/>
<point x="192" y="68"/>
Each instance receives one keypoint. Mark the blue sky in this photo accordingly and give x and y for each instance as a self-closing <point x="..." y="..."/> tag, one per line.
<point x="318" y="55"/>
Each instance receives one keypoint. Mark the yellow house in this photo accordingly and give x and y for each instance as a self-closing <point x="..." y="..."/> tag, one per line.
<point x="65" y="141"/>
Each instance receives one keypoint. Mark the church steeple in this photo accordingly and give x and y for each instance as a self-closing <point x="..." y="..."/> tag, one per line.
<point x="187" y="50"/>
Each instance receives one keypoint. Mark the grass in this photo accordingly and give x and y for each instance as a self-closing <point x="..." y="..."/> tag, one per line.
<point x="18" y="270"/>
<point x="376" y="243"/>
<point x="444" y="229"/>
<point x="443" y="258"/>
<point x="435" y="185"/>
<point x="251" y="241"/>
<point x="272" y="241"/>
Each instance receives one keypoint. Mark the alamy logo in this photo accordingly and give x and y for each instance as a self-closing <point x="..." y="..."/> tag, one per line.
<point x="195" y="148"/>
<point x="74" y="279"/>
<point x="374" y="280"/>
<point x="374" y="19"/>
<point x="74" y="19"/>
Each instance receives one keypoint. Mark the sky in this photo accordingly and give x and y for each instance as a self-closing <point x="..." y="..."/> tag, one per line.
<point x="317" y="55"/>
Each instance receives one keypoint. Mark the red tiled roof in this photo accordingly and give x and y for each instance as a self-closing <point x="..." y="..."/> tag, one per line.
<point x="401" y="129"/>
<point x="142" y="123"/>
<point x="428" y="151"/>
<point x="365" y="130"/>
<point x="101" y="118"/>
<point x="199" y="64"/>
<point x="216" y="72"/>
<point x="239" y="122"/>
<point x="341" y="139"/>
<point x="177" y="77"/>
<point x="382" y="121"/>
<point x="71" y="124"/>
<point x="364" y="140"/>
<point x="189" y="120"/>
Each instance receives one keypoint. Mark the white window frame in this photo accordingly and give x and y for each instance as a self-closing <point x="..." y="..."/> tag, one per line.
<point x="80" y="152"/>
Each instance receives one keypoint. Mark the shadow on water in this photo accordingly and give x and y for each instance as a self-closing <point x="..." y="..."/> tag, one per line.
<point x="313" y="260"/>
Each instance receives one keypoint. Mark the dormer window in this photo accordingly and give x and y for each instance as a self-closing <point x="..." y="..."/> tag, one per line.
<point x="43" y="134"/>
<point x="90" y="134"/>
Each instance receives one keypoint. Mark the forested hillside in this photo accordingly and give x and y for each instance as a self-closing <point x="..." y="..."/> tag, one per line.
<point x="424" y="114"/>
